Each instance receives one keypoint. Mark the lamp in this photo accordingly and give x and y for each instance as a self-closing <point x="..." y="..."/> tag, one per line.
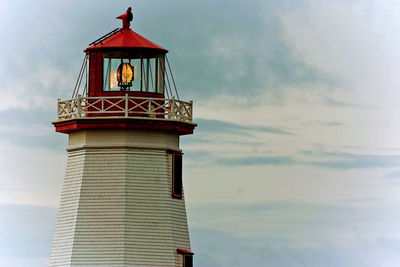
<point x="125" y="75"/>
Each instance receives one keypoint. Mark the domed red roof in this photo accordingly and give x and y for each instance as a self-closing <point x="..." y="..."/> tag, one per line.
<point x="125" y="38"/>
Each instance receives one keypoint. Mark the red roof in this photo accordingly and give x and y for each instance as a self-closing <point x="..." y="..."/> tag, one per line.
<point x="184" y="251"/>
<point x="126" y="38"/>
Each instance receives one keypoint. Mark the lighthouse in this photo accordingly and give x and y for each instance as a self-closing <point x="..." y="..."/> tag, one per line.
<point x="122" y="202"/>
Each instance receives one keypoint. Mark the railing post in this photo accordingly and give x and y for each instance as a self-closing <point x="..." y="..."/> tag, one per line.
<point x="149" y="110"/>
<point x="79" y="106"/>
<point x="58" y="109"/>
<point x="191" y="111"/>
<point x="126" y="105"/>
<point x="173" y="111"/>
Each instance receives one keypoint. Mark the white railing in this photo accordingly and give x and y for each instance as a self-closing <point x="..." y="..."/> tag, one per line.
<point x="125" y="106"/>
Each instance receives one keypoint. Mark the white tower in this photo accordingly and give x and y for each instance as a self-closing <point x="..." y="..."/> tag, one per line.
<point x="122" y="202"/>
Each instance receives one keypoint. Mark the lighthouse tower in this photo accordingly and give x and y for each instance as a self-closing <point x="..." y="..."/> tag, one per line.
<point x="122" y="202"/>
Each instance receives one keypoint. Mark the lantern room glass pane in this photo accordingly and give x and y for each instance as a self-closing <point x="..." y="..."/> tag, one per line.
<point x="149" y="68"/>
<point x="136" y="74"/>
<point x="110" y="68"/>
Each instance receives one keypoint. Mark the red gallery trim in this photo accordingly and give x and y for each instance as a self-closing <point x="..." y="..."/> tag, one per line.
<point x="180" y="128"/>
<point x="184" y="251"/>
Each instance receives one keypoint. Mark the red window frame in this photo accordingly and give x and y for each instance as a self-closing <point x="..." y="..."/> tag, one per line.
<point x="176" y="174"/>
<point x="186" y="254"/>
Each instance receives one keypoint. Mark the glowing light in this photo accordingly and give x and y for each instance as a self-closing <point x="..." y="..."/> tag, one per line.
<point x="125" y="75"/>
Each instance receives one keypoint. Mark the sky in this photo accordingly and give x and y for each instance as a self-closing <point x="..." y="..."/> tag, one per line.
<point x="296" y="157"/>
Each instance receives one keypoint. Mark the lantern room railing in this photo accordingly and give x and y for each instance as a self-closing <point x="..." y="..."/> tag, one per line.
<point x="125" y="106"/>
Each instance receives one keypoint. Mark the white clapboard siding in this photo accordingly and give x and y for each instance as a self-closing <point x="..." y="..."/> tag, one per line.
<point x="116" y="207"/>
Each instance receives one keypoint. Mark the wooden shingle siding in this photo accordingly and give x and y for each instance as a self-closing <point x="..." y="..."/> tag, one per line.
<point x="68" y="212"/>
<point x="116" y="207"/>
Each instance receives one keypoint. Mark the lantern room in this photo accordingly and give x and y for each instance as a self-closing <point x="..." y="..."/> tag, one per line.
<point x="125" y="62"/>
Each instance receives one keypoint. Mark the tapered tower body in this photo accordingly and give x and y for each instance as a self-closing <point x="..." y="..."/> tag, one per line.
<point x="122" y="202"/>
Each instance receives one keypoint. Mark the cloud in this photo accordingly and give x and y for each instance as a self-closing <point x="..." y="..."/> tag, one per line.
<point x="360" y="200"/>
<point x="30" y="129"/>
<point x="256" y="160"/>
<point x="31" y="173"/>
<point x="328" y="160"/>
<point x="232" y="52"/>
<point x="355" y="161"/>
<point x="345" y="160"/>
<point x="339" y="103"/>
<point x="324" y="123"/>
<point x="218" y="126"/>
<point x="26" y="231"/>
<point x="393" y="175"/>
<point x="234" y="251"/>
<point x="293" y="234"/>
<point x="351" y="42"/>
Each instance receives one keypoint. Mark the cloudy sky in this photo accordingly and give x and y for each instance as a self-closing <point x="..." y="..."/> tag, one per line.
<point x="296" y="159"/>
